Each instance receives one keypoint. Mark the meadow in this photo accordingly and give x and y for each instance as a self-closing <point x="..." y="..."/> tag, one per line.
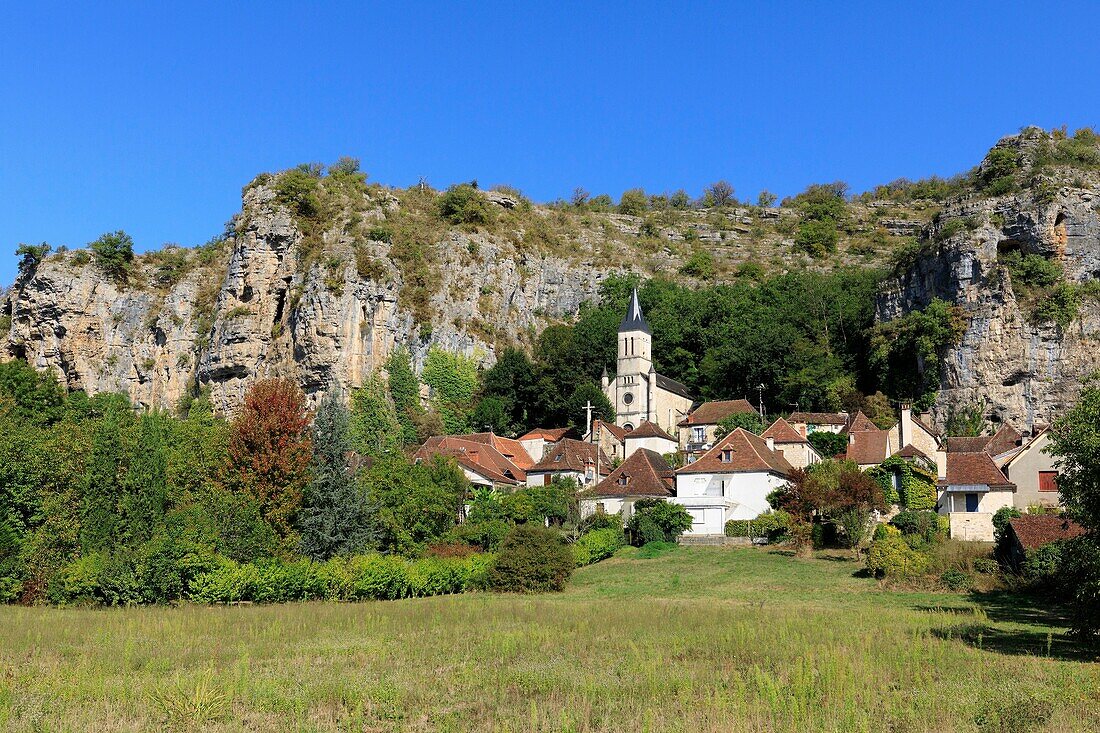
<point x="696" y="639"/>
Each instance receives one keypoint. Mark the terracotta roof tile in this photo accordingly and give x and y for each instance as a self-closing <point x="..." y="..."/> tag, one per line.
<point x="712" y="413"/>
<point x="480" y="458"/>
<point x="644" y="473"/>
<point x="782" y="432"/>
<point x="746" y="453"/>
<point x="974" y="469"/>
<point x="867" y="447"/>
<point x="1005" y="439"/>
<point x="911" y="451"/>
<point x="509" y="448"/>
<point x="649" y="430"/>
<point x="966" y="444"/>
<point x="552" y="435"/>
<point x="571" y="455"/>
<point x="1036" y="530"/>
<point x="610" y="427"/>
<point x="862" y="423"/>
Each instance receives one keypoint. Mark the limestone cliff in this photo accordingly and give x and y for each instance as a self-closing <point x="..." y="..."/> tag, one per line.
<point x="1014" y="359"/>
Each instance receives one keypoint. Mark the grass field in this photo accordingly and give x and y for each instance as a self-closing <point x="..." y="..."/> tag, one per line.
<point x="700" y="639"/>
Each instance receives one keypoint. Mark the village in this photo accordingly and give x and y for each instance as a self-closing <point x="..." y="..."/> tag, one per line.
<point x="665" y="445"/>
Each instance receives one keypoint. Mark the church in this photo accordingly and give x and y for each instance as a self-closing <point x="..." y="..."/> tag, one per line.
<point x="637" y="392"/>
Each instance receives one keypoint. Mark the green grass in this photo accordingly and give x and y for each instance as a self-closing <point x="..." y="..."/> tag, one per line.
<point x="697" y="639"/>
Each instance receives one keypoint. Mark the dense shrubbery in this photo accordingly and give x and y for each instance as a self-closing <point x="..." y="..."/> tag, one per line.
<point x="531" y="559"/>
<point x="892" y="557"/>
<point x="656" y="520"/>
<point x="597" y="545"/>
<point x="772" y="525"/>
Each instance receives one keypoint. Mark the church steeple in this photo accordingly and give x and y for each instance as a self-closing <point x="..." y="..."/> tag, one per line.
<point x="634" y="320"/>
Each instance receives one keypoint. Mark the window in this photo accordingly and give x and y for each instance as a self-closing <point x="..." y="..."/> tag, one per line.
<point x="972" y="501"/>
<point x="699" y="434"/>
<point x="628" y="398"/>
<point x="600" y="509"/>
<point x="628" y="426"/>
<point x="623" y="479"/>
<point x="1048" y="481"/>
<point x="727" y="456"/>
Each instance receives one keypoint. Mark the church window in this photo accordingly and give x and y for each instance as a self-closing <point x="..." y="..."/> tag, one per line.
<point x="628" y="398"/>
<point x="628" y="427"/>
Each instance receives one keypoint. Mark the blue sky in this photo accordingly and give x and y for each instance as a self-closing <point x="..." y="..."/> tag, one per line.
<point x="150" y="119"/>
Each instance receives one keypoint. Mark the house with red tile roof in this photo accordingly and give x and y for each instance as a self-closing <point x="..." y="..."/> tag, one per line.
<point x="972" y="489"/>
<point x="610" y="437"/>
<point x="570" y="459"/>
<point x="810" y="422"/>
<point x="1034" y="472"/>
<point x="732" y="480"/>
<point x="479" y="460"/>
<point x="1031" y="531"/>
<point x="651" y="437"/>
<point x="507" y="447"/>
<point x="697" y="429"/>
<point x="644" y="475"/>
<point x="782" y="437"/>
<point x="536" y="441"/>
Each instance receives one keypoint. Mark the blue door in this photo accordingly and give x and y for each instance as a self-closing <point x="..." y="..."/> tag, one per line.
<point x="971" y="502"/>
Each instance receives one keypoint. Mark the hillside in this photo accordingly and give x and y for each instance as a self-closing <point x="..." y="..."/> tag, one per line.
<point x="321" y="274"/>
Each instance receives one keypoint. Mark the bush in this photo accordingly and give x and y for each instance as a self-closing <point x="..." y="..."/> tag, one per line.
<point x="773" y="525"/>
<point x="1043" y="565"/>
<point x="956" y="580"/>
<point x="597" y="545"/>
<point x="633" y="202"/>
<point x="925" y="526"/>
<point x="96" y="578"/>
<point x="531" y="559"/>
<point x="892" y="557"/>
<point x="882" y="531"/>
<point x="464" y="204"/>
<point x="1080" y="564"/>
<point x="602" y="520"/>
<point x="113" y="254"/>
<point x="650" y="550"/>
<point x="817" y="237"/>
<point x="657" y="520"/>
<point x="986" y="566"/>
<point x="1001" y="518"/>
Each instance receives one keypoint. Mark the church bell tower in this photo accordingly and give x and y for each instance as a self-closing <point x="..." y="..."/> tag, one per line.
<point x="634" y="370"/>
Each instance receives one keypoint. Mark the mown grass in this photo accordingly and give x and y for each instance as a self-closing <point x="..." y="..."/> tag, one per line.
<point x="696" y="639"/>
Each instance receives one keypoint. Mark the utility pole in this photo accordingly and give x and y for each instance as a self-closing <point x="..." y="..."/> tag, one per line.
<point x="760" y="392"/>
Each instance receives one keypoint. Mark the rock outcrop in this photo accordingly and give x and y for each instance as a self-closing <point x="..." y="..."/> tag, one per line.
<point x="1018" y="367"/>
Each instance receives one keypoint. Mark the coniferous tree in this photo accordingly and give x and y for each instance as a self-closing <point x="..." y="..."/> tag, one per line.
<point x="102" y="488"/>
<point x="335" y="518"/>
<point x="145" y="486"/>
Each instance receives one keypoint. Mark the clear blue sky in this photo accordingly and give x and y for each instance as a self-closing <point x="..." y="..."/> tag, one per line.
<point x="151" y="119"/>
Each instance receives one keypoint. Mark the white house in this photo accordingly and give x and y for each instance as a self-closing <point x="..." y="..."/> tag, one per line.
<point x="536" y="441"/>
<point x="1033" y="471"/>
<point x="650" y="436"/>
<point x="697" y="430"/>
<point x="811" y="422"/>
<point x="732" y="480"/>
<point x="971" y="491"/>
<point x="644" y="475"/>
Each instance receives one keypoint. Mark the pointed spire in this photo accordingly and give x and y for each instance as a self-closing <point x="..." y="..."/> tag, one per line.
<point x="634" y="320"/>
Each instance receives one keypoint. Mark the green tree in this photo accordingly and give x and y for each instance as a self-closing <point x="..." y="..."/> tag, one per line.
<point x="145" y="486"/>
<point x="30" y="256"/>
<point x="965" y="420"/>
<point x="404" y="390"/>
<point x="633" y="202"/>
<point x="464" y="204"/>
<point x="748" y="420"/>
<point x="510" y="381"/>
<point x="102" y="488"/>
<point x="827" y="444"/>
<point x="489" y="415"/>
<point x="453" y="379"/>
<point x="416" y="503"/>
<point x="1075" y="441"/>
<point x="657" y="520"/>
<point x="335" y="519"/>
<point x="37" y="397"/>
<point x="113" y="254"/>
<point x="374" y="427"/>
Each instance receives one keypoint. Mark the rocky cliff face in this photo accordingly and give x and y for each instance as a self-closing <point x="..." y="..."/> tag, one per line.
<point x="252" y="307"/>
<point x="1021" y="367"/>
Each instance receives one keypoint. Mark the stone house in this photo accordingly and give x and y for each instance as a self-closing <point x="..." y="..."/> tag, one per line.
<point x="732" y="480"/>
<point x="972" y="489"/>
<point x="610" y="437"/>
<point x="791" y="444"/>
<point x="1033" y="471"/>
<point x="810" y="422"/>
<point x="536" y="441"/>
<point x="571" y="459"/>
<point x="482" y="463"/>
<point x="645" y="474"/>
<point x="697" y="429"/>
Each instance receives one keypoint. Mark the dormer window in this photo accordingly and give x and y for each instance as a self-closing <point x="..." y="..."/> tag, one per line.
<point x="727" y="456"/>
<point x="623" y="480"/>
<point x="557" y="458"/>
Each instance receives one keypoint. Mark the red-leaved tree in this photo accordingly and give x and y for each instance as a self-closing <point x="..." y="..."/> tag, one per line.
<point x="270" y="451"/>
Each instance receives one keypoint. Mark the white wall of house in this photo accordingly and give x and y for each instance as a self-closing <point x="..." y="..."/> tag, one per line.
<point x="714" y="498"/>
<point x="1025" y="470"/>
<point x="539" y="478"/>
<point x="535" y="447"/>
<point x="658" y="445"/>
<point x="611" y="505"/>
<point x="975" y="526"/>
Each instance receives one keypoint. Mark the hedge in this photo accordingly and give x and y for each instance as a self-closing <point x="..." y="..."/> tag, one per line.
<point x="768" y="524"/>
<point x="363" y="577"/>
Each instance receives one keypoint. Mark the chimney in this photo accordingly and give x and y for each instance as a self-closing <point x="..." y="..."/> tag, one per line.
<point x="802" y="429"/>
<point x="771" y="442"/>
<point x="905" y="425"/>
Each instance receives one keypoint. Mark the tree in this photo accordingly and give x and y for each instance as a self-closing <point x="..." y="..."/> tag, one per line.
<point x="454" y="380"/>
<point x="965" y="420"/>
<point x="531" y="559"/>
<point x="36" y="397"/>
<point x="579" y="198"/>
<point x="766" y="199"/>
<point x="584" y="394"/>
<point x="99" y="523"/>
<point x="633" y="202"/>
<point x="656" y="520"/>
<point x="748" y="420"/>
<point x="835" y="492"/>
<point x="510" y="381"/>
<point x="827" y="444"/>
<point x="145" y="487"/>
<point x="270" y="452"/>
<point x="335" y="519"/>
<point x="404" y="390"/>
<point x="30" y="256"/>
<point x="719" y="193"/>
<point x="464" y="204"/>
<point x="374" y="428"/>
<point x="1075" y="441"/>
<point x="416" y="503"/>
<point x="113" y="254"/>
<point x="489" y="415"/>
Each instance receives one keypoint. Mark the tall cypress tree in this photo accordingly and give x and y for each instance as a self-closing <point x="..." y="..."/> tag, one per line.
<point x="102" y="488"/>
<point x="146" y="485"/>
<point x="335" y="518"/>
